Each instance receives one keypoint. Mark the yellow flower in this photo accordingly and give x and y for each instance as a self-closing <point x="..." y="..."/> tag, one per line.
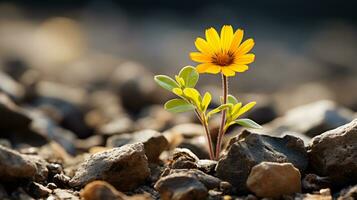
<point x="225" y="53"/>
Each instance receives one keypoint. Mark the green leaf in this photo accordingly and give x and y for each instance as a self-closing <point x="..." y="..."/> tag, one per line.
<point x="206" y="101"/>
<point x="218" y="109"/>
<point x="166" y="82"/>
<point x="194" y="95"/>
<point x="178" y="105"/>
<point x="189" y="75"/>
<point x="235" y="110"/>
<point x="177" y="91"/>
<point x="231" y="99"/>
<point x="248" y="123"/>
<point x="180" y="81"/>
<point x="244" y="109"/>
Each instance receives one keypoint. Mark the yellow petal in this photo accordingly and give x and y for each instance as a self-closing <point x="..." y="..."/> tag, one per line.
<point x="214" y="69"/>
<point x="201" y="68"/>
<point x="244" y="109"/>
<point x="237" y="39"/>
<point x="203" y="46"/>
<point x="226" y="37"/>
<point x="213" y="39"/>
<point x="244" y="59"/>
<point x="227" y="71"/>
<point x="239" y="68"/>
<point x="200" y="57"/>
<point x="245" y="47"/>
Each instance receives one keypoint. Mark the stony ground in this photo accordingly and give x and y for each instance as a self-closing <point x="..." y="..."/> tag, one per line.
<point x="111" y="139"/>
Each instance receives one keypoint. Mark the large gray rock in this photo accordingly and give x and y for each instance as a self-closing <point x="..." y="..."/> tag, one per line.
<point x="269" y="179"/>
<point x="154" y="142"/>
<point x="12" y="117"/>
<point x="311" y="119"/>
<point x="334" y="154"/>
<point x="250" y="149"/>
<point x="14" y="165"/>
<point x="125" y="167"/>
<point x="15" y="124"/>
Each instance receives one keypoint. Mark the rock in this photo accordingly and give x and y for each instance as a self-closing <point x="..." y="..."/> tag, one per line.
<point x="181" y="186"/>
<point x="125" y="167"/>
<point x="12" y="117"/>
<point x="250" y="149"/>
<point x="323" y="194"/>
<point x="54" y="153"/>
<point x="154" y="117"/>
<point x="16" y="124"/>
<point x="188" y="130"/>
<point x="107" y="107"/>
<point x="20" y="193"/>
<point x="54" y="168"/>
<point x="269" y="179"/>
<point x="37" y="190"/>
<point x="68" y="115"/>
<point x="61" y="180"/>
<point x="155" y="171"/>
<point x="98" y="190"/>
<point x="116" y="127"/>
<point x="97" y="149"/>
<point x="313" y="182"/>
<point x="51" y="186"/>
<point x="183" y="159"/>
<point x="207" y="166"/>
<point x="11" y="87"/>
<point x="209" y="181"/>
<point x="306" y="139"/>
<point x="323" y="115"/>
<point x="154" y="142"/>
<point x="135" y="86"/>
<point x="73" y="95"/>
<point x="198" y="145"/>
<point x="335" y="150"/>
<point x="349" y="193"/>
<point x="302" y="94"/>
<point x="3" y="193"/>
<point x="14" y="165"/>
<point x="6" y="143"/>
<point x="41" y="168"/>
<point x="85" y="144"/>
<point x="63" y="194"/>
<point x="145" y="192"/>
<point x="264" y="111"/>
<point x="45" y="126"/>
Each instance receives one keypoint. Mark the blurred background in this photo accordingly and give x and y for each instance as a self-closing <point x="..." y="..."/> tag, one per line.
<point x="305" y="50"/>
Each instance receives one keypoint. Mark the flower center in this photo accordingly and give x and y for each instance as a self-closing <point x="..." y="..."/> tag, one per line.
<point x="223" y="59"/>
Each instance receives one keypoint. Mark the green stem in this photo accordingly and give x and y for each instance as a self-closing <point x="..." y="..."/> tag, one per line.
<point x="208" y="134"/>
<point x="223" y="120"/>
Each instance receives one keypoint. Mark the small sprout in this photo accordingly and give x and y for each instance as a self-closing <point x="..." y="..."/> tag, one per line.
<point x="225" y="54"/>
